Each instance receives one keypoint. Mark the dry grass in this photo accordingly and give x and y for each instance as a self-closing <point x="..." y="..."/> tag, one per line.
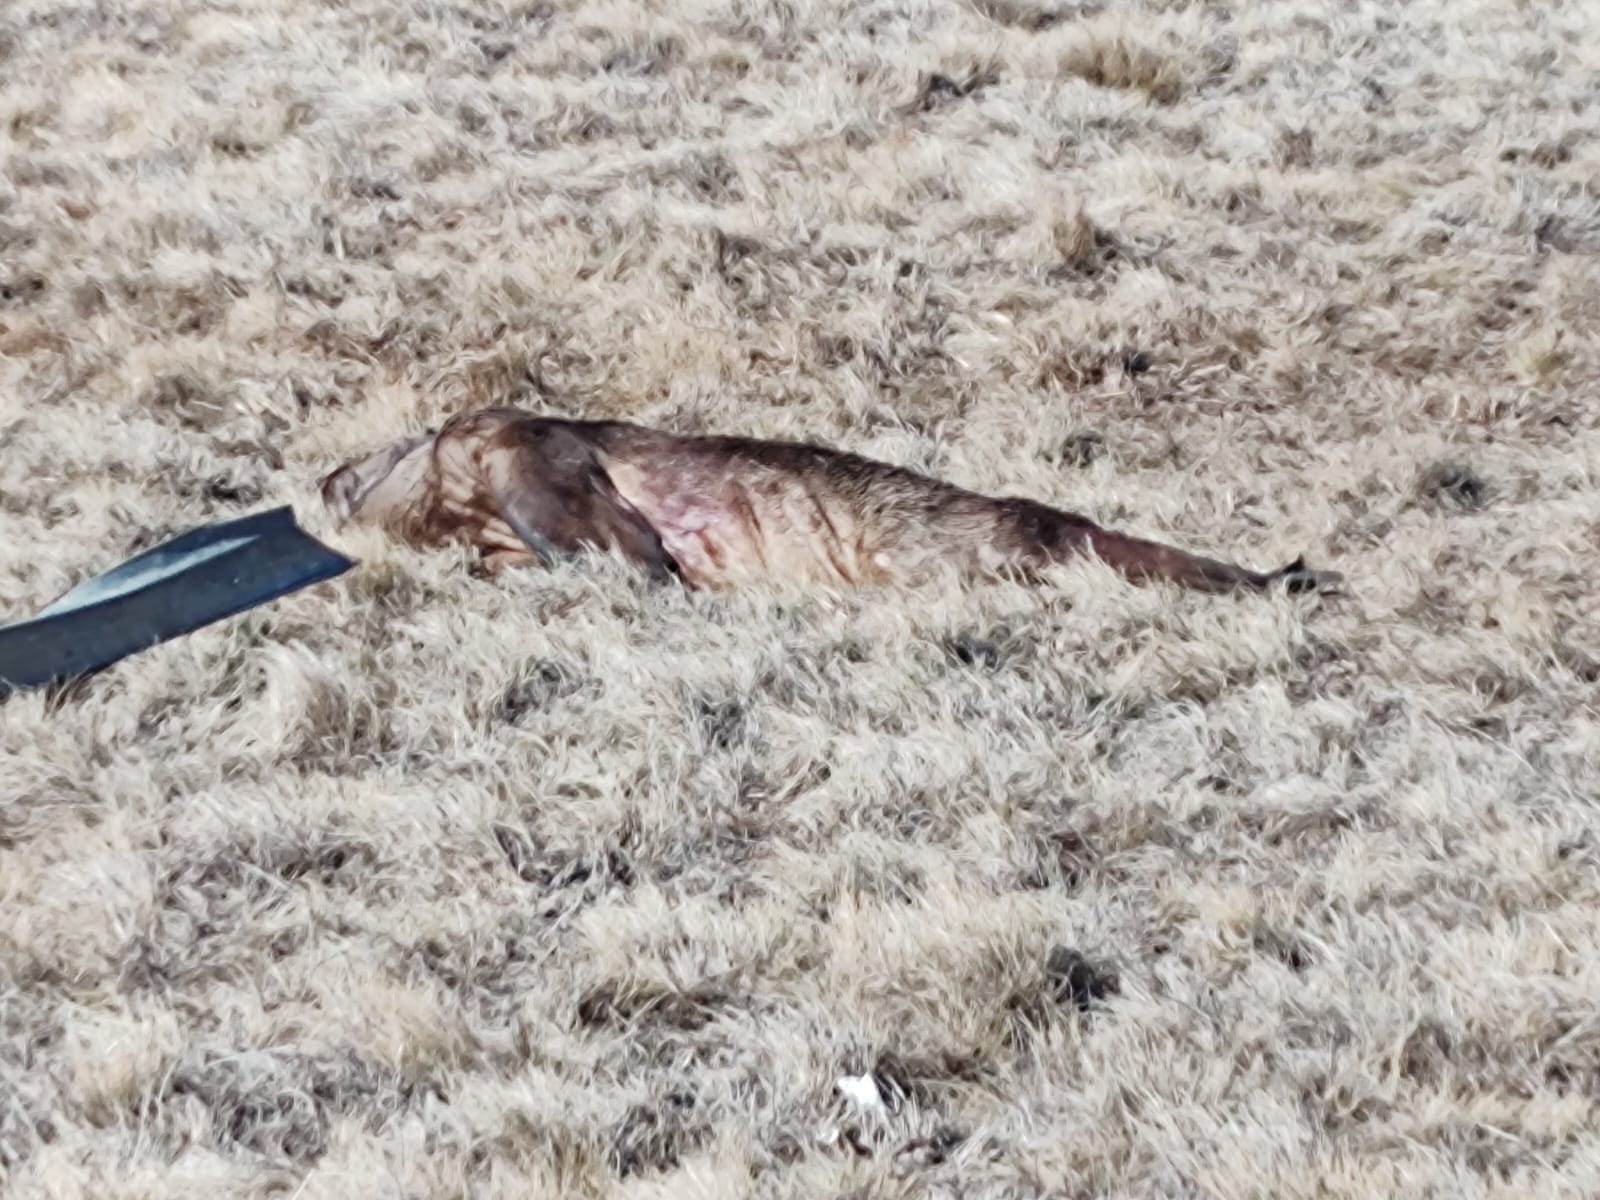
<point x="418" y="884"/>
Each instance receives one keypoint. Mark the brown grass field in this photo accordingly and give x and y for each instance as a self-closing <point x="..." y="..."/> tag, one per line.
<point x="421" y="884"/>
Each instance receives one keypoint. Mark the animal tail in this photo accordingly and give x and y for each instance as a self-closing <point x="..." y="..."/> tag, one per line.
<point x="1142" y="560"/>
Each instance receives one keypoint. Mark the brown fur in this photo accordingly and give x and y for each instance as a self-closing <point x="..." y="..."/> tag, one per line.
<point x="718" y="511"/>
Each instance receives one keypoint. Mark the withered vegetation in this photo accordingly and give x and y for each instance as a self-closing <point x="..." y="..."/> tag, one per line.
<point x="562" y="883"/>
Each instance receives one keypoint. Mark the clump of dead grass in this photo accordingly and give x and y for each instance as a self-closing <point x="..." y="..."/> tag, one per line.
<point x="561" y="883"/>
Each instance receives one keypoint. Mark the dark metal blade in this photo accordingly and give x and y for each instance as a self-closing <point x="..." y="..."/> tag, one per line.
<point x="182" y="585"/>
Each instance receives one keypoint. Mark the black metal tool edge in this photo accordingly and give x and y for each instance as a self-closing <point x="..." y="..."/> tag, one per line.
<point x="280" y="559"/>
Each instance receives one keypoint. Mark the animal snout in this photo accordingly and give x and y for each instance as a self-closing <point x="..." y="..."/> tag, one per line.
<point x="339" y="492"/>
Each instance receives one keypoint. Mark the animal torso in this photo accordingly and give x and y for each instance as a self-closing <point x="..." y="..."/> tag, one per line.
<point x="725" y="510"/>
<point x="730" y="510"/>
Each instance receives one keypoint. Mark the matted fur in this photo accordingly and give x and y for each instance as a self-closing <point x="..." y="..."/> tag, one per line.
<point x="565" y="884"/>
<point x="718" y="512"/>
